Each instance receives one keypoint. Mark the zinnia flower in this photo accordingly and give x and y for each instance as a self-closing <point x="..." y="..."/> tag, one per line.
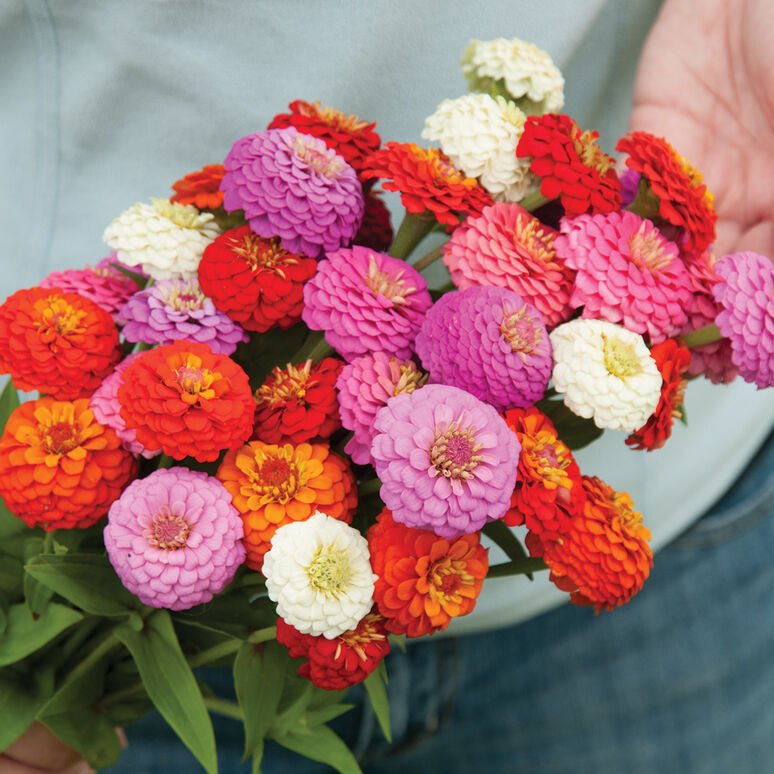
<point x="58" y="343"/>
<point x="627" y="273"/>
<point x="177" y="309"/>
<point x="479" y="134"/>
<point x="345" y="660"/>
<point x="60" y="468"/>
<point x="683" y="198"/>
<point x="292" y="186"/>
<point x="200" y="188"/>
<point x="427" y="182"/>
<point x="255" y="281"/>
<point x="746" y="296"/>
<point x="490" y="342"/>
<point x="298" y="403"/>
<point x="570" y="165"/>
<point x="516" y="69"/>
<point x="187" y="400"/>
<point x="375" y="231"/>
<point x="366" y="302"/>
<point x="364" y="386"/>
<point x="446" y="460"/>
<point x="174" y="539"/>
<point x="319" y="574"/>
<point x="508" y="247"/>
<point x="606" y="373"/>
<point x="273" y="485"/>
<point x="163" y="238"/>
<point x="423" y="581"/>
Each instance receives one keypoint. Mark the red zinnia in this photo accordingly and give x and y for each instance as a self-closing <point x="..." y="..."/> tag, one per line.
<point x="672" y="358"/>
<point x="187" y="400"/>
<point x="684" y="200"/>
<point x="375" y="231"/>
<point x="255" y="281"/>
<point x="427" y="181"/>
<point x="424" y="580"/>
<point x="337" y="663"/>
<point x="298" y="403"/>
<point x="201" y="188"/>
<point x="350" y="137"/>
<point x="58" y="343"/>
<point x="570" y="165"/>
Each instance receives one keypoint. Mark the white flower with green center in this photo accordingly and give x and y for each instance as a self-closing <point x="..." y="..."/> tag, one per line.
<point x="165" y="239"/>
<point x="606" y="373"/>
<point x="319" y="573"/>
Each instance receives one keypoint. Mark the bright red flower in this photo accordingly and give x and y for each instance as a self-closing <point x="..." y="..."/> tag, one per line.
<point x="684" y="200"/>
<point x="570" y="165"/>
<point x="672" y="358"/>
<point x="187" y="401"/>
<point x="58" y="343"/>
<point x="376" y="229"/>
<point x="340" y="662"/>
<point x="298" y="403"/>
<point x="427" y="182"/>
<point x="424" y="580"/>
<point x="201" y="188"/>
<point x="254" y="280"/>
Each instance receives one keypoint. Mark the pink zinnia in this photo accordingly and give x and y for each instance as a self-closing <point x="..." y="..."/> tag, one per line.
<point x="364" y="386"/>
<point x="507" y="247"/>
<point x="366" y="302"/>
<point x="490" y="342"/>
<point x="746" y="296"/>
<point x="627" y="273"/>
<point x="446" y="460"/>
<point x="174" y="538"/>
<point x="292" y="186"/>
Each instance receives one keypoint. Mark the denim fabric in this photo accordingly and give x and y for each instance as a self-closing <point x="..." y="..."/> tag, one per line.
<point x="679" y="679"/>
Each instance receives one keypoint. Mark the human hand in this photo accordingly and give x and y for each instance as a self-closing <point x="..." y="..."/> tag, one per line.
<point x="706" y="83"/>
<point x="38" y="750"/>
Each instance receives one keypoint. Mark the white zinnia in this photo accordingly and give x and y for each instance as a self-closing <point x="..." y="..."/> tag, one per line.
<point x="319" y="573"/>
<point x="165" y="239"/>
<point x="527" y="73"/>
<point x="606" y="373"/>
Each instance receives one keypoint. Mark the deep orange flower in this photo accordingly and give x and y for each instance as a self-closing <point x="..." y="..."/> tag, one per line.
<point x="298" y="403"/>
<point x="427" y="182"/>
<point x="59" y="343"/>
<point x="60" y="468"/>
<point x="548" y="483"/>
<point x="200" y="188"/>
<point x="604" y="557"/>
<point x="570" y="164"/>
<point x="273" y="485"/>
<point x="672" y="358"/>
<point x="424" y="580"/>
<point x="187" y="400"/>
<point x="684" y="200"/>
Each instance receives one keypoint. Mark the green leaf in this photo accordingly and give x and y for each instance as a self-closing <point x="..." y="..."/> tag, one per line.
<point x="134" y="276"/>
<point x="9" y="401"/>
<point x="22" y="698"/>
<point x="575" y="431"/>
<point x="24" y="635"/>
<point x="266" y="350"/>
<point x="374" y="685"/>
<point x="86" y="580"/>
<point x="231" y="614"/>
<point x="171" y="684"/>
<point x="316" y="717"/>
<point x="259" y="676"/>
<point x="320" y="744"/>
<point x="11" y="576"/>
<point x="36" y="595"/>
<point x="298" y="695"/>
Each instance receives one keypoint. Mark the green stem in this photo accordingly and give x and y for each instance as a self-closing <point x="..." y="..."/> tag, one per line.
<point x="73" y="643"/>
<point x="524" y="566"/>
<point x="429" y="258"/>
<point x="533" y="201"/>
<point x="215" y="653"/>
<point x="315" y="348"/>
<point x="369" y="487"/>
<point x="263" y="635"/>
<point x="702" y="336"/>
<point x="108" y="643"/>
<point x="142" y="346"/>
<point x="224" y="707"/>
<point x="343" y="442"/>
<point x="48" y="542"/>
<point x="165" y="461"/>
<point x="412" y="230"/>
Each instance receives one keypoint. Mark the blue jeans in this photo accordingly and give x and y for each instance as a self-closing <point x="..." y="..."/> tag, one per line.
<point x="680" y="679"/>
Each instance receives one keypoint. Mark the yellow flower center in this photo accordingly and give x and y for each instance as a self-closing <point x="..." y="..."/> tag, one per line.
<point x="288" y="384"/>
<point x="695" y="178"/>
<point x="275" y="474"/>
<point x="410" y="379"/>
<point x="185" y="298"/>
<point x="357" y="639"/>
<point x="168" y="531"/>
<point x="528" y="234"/>
<point x="547" y="456"/>
<point x="260" y="253"/>
<point x="590" y="155"/>
<point x="443" y="171"/>
<point x="332" y="117"/>
<point x="391" y="287"/>
<point x="194" y="381"/>
<point x="325" y="162"/>
<point x="647" y="248"/>
<point x="620" y="358"/>
<point x="330" y="571"/>
<point x="454" y="452"/>
<point x="56" y="316"/>
<point x="521" y="331"/>
<point x="183" y="215"/>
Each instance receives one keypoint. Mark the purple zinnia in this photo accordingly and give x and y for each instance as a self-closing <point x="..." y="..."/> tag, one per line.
<point x="490" y="342"/>
<point x="446" y="460"/>
<point x="177" y="309"/>
<point x="292" y="186"/>
<point x="174" y="538"/>
<point x="366" y="302"/>
<point x="746" y="295"/>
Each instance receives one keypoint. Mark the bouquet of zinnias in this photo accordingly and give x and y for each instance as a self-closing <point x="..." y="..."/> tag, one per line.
<point x="262" y="441"/>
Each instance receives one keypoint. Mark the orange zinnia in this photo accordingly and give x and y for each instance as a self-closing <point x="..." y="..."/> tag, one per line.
<point x="60" y="468"/>
<point x="424" y="580"/>
<point x="273" y="485"/>
<point x="200" y="188"/>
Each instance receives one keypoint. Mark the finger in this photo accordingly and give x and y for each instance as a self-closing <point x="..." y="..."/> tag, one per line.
<point x="11" y="766"/>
